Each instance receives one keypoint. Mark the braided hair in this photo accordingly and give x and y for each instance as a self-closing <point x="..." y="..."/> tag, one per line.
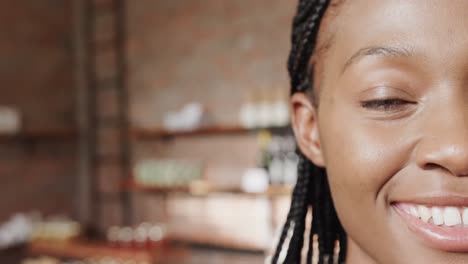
<point x="312" y="189"/>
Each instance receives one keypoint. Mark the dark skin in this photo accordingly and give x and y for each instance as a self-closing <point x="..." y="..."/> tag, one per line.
<point x="391" y="119"/>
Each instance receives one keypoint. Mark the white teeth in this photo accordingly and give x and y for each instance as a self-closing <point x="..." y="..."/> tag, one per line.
<point x="414" y="211"/>
<point x="437" y="216"/>
<point x="425" y="213"/>
<point x="465" y="216"/>
<point x="449" y="216"/>
<point x="452" y="216"/>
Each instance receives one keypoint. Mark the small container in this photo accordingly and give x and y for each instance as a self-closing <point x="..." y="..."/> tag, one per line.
<point x="140" y="236"/>
<point x="113" y="235"/>
<point x="255" y="180"/>
<point x="10" y="120"/>
<point x="156" y="235"/>
<point x="247" y="114"/>
<point x="125" y="237"/>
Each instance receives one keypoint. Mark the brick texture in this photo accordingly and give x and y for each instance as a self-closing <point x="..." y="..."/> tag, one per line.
<point x="36" y="74"/>
<point x="213" y="52"/>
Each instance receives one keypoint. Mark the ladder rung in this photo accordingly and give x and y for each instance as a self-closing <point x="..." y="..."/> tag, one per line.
<point x="110" y="197"/>
<point x="106" y="159"/>
<point x="109" y="122"/>
<point x="107" y="83"/>
<point x="105" y="45"/>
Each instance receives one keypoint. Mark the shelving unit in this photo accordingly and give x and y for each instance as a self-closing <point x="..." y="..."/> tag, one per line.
<point x="87" y="249"/>
<point x="273" y="195"/>
<point x="40" y="135"/>
<point x="158" y="133"/>
<point x="99" y="120"/>
<point x="118" y="122"/>
<point x="177" y="253"/>
<point x="273" y="190"/>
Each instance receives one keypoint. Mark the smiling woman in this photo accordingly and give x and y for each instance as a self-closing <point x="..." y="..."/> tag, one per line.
<point x="379" y="109"/>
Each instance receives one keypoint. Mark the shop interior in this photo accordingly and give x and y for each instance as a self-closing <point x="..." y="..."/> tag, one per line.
<point x="149" y="131"/>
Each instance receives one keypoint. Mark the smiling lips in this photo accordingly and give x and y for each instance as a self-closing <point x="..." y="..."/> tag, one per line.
<point x="442" y="227"/>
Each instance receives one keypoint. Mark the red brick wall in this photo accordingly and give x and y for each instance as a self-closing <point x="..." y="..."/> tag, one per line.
<point x="210" y="51"/>
<point x="214" y="52"/>
<point x="36" y="76"/>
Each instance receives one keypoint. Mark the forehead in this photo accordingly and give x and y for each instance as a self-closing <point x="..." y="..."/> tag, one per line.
<point x="434" y="28"/>
<point x="360" y="17"/>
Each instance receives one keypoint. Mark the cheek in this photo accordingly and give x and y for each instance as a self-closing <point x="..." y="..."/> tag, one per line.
<point x="361" y="158"/>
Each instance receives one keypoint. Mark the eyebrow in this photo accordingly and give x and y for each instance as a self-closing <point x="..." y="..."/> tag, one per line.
<point x="385" y="51"/>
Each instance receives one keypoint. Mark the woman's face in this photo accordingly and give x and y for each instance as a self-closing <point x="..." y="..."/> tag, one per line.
<point x="391" y="128"/>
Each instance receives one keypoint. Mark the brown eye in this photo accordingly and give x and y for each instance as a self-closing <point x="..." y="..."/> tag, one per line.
<point x="386" y="105"/>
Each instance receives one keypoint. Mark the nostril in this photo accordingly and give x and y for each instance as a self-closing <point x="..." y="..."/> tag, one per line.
<point x="443" y="153"/>
<point x="435" y="166"/>
<point x="431" y="166"/>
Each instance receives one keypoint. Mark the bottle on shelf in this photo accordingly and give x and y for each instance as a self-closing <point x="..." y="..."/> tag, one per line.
<point x="280" y="109"/>
<point x="145" y="235"/>
<point x="247" y="113"/>
<point x="167" y="173"/>
<point x="10" y="120"/>
<point x="265" y="108"/>
<point x="278" y="157"/>
<point x="275" y="168"/>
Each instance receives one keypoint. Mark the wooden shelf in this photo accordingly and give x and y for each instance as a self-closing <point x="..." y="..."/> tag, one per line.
<point x="40" y="135"/>
<point x="86" y="249"/>
<point x="273" y="191"/>
<point x="132" y="186"/>
<point x="146" y="133"/>
<point x="177" y="253"/>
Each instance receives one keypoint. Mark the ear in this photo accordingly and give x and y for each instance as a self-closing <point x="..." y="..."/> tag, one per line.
<point x="305" y="125"/>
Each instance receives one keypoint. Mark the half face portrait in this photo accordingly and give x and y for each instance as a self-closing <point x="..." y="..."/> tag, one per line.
<point x="386" y="115"/>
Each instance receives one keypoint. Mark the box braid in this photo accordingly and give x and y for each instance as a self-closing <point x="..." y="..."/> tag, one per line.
<point x="312" y="188"/>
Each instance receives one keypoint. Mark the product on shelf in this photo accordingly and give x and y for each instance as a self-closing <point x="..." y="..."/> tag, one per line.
<point x="145" y="235"/>
<point x="167" y="173"/>
<point x="15" y="231"/>
<point x="188" y="118"/>
<point x="10" y="120"/>
<point x="22" y="228"/>
<point x="268" y="108"/>
<point x="278" y="156"/>
<point x="255" y="180"/>
<point x="95" y="260"/>
<point x="41" y="260"/>
<point x="55" y="229"/>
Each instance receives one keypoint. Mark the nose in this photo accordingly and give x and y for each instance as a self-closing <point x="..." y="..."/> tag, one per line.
<point x="445" y="144"/>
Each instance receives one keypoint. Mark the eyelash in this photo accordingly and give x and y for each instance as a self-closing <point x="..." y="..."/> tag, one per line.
<point x="385" y="105"/>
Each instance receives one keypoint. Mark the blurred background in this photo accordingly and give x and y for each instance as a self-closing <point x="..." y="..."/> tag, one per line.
<point x="146" y="131"/>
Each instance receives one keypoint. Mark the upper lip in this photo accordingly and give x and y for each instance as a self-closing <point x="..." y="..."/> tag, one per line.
<point x="437" y="199"/>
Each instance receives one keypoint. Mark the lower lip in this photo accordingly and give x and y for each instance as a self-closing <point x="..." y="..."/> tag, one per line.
<point x="453" y="239"/>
